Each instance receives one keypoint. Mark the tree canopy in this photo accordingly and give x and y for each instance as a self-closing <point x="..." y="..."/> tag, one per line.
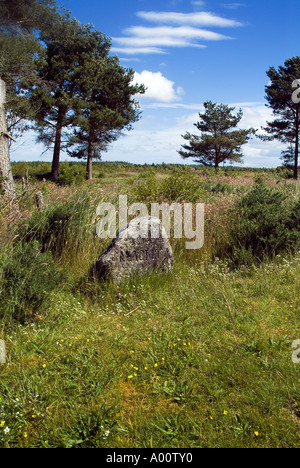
<point x="107" y="107"/>
<point x="18" y="21"/>
<point x="67" y="46"/>
<point x="220" y="140"/>
<point x="86" y="97"/>
<point x="21" y="16"/>
<point x="279" y="94"/>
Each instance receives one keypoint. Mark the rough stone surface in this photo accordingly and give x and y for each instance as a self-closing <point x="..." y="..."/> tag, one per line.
<point x="142" y="246"/>
<point x="2" y="352"/>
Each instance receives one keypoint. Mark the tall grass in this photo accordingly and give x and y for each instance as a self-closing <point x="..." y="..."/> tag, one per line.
<point x="66" y="229"/>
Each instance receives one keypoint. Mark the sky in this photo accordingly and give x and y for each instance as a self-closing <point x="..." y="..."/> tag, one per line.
<point x="187" y="52"/>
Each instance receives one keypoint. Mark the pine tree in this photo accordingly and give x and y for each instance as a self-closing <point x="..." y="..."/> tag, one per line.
<point x="288" y="157"/>
<point x="220" y="140"/>
<point x="17" y="70"/>
<point x="107" y="106"/>
<point x="24" y="16"/>
<point x="68" y="45"/>
<point x="279" y="94"/>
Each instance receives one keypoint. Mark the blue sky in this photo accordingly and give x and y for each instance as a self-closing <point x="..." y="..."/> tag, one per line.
<point x="187" y="52"/>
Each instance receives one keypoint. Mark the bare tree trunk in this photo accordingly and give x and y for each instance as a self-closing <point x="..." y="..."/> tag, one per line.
<point x="7" y="185"/>
<point x="57" y="146"/>
<point x="89" y="170"/>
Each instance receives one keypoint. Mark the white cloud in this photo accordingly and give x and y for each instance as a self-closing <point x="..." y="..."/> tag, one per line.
<point x="201" y="18"/>
<point x="198" y="3"/>
<point x="138" y="50"/>
<point x="233" y="6"/>
<point x="142" y="39"/>
<point x="181" y="32"/>
<point x="177" y="30"/>
<point x="157" y="145"/>
<point x="156" y="140"/>
<point x="158" y="86"/>
<point x="154" y="42"/>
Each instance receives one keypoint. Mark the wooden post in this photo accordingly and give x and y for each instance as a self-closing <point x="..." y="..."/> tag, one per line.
<point x="6" y="179"/>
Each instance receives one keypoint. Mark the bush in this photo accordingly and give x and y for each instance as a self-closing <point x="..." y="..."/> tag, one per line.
<point x="71" y="175"/>
<point x="26" y="277"/>
<point x="218" y="187"/>
<point x="181" y="187"/>
<point x="264" y="223"/>
<point x="145" y="187"/>
<point x="35" y="169"/>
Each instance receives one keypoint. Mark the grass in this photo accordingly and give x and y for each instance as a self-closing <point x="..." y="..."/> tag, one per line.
<point x="198" y="358"/>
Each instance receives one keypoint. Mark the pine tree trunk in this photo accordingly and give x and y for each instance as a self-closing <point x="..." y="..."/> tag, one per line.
<point x="89" y="169"/>
<point x="7" y="185"/>
<point x="89" y="172"/>
<point x="57" y="146"/>
<point x="296" y="145"/>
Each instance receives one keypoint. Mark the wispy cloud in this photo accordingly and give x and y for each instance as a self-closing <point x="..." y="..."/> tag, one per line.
<point x="201" y="18"/>
<point x="156" y="144"/>
<point x="182" y="32"/>
<point x="198" y="3"/>
<point x="233" y="6"/>
<point x="138" y="50"/>
<point x="175" y="30"/>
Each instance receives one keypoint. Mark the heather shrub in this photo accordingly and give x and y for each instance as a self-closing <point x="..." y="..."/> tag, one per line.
<point x="264" y="223"/>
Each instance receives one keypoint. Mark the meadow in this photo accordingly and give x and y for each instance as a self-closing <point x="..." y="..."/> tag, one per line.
<point x="200" y="358"/>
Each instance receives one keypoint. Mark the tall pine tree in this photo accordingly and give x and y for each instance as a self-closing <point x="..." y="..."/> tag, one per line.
<point x="279" y="94"/>
<point x="68" y="45"/>
<point x="107" y="106"/>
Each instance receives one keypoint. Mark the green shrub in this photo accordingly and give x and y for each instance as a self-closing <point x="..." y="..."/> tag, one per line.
<point x="218" y="187"/>
<point x="145" y="187"/>
<point x="264" y="223"/>
<point x="180" y="187"/>
<point x="71" y="174"/>
<point x="36" y="169"/>
<point x="27" y="276"/>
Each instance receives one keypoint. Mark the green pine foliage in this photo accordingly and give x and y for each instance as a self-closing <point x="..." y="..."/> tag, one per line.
<point x="279" y="94"/>
<point x="219" y="138"/>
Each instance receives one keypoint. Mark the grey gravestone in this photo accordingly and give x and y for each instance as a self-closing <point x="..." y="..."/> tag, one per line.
<point x="142" y="246"/>
<point x="2" y="352"/>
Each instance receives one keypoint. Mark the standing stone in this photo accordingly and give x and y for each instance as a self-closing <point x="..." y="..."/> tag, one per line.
<point x="139" y="248"/>
<point x="2" y="352"/>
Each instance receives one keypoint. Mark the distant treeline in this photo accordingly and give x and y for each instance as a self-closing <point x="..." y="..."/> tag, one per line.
<point x="42" y="168"/>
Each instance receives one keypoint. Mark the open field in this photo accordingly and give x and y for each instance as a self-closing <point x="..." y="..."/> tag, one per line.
<point x="201" y="357"/>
